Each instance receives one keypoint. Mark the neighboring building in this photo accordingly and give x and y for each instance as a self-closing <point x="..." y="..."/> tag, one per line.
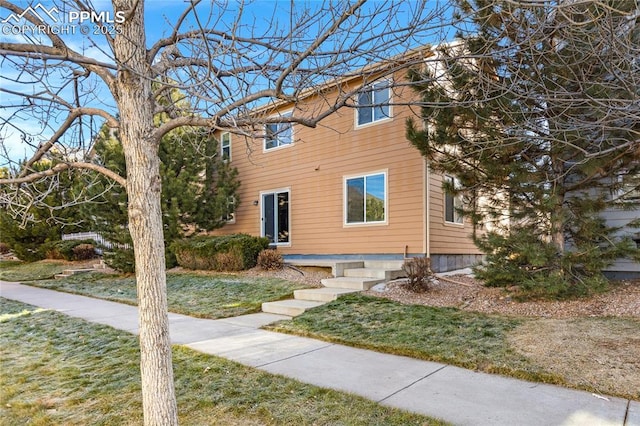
<point x="628" y="195"/>
<point x="351" y="188"/>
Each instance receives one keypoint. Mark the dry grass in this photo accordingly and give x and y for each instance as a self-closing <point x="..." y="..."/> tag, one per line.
<point x="595" y="354"/>
<point x="600" y="354"/>
<point x="58" y="370"/>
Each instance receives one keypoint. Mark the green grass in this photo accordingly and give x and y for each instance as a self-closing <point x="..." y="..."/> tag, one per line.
<point x="448" y="335"/>
<point x="204" y="296"/>
<point x="28" y="271"/>
<point x="58" y="370"/>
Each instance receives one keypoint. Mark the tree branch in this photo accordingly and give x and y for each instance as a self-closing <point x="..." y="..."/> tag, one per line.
<point x="60" y="167"/>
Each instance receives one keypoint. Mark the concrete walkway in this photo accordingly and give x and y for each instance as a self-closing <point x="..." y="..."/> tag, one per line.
<point x="454" y="394"/>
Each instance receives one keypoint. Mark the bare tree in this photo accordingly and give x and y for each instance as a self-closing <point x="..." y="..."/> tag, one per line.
<point x="227" y="60"/>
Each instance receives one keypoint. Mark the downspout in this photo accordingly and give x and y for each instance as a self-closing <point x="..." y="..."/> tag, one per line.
<point x="426" y="214"/>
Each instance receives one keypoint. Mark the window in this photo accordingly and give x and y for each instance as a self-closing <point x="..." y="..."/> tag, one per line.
<point x="628" y="187"/>
<point x="230" y="213"/>
<point x="366" y="199"/>
<point x="275" y="216"/>
<point x="225" y="146"/>
<point x="452" y="202"/>
<point x="373" y="103"/>
<point x="278" y="134"/>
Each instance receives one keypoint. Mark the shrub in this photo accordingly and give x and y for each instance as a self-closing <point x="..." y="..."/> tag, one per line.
<point x="4" y="248"/>
<point x="201" y="252"/>
<point x="538" y="269"/>
<point x="270" y="260"/>
<point x="121" y="259"/>
<point x="65" y="249"/>
<point x="229" y="261"/>
<point x="84" y="252"/>
<point x="418" y="270"/>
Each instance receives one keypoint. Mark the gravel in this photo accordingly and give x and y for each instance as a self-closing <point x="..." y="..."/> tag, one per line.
<point x="467" y="293"/>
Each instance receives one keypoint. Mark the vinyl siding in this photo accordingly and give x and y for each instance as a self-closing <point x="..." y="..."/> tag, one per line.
<point x="313" y="168"/>
<point x="620" y="218"/>
<point x="447" y="238"/>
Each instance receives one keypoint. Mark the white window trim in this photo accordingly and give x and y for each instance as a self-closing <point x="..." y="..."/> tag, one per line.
<point x="222" y="146"/>
<point x="346" y="224"/>
<point x="444" y="205"/>
<point x="261" y="211"/>
<point x="233" y="215"/>
<point x="625" y="195"/>
<point x="374" y="122"/>
<point x="276" y="148"/>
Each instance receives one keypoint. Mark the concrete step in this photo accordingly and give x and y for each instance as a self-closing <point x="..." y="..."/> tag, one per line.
<point x="325" y="294"/>
<point x="353" y="283"/>
<point x="61" y="276"/>
<point x="385" y="274"/>
<point x="290" y="307"/>
<point x="100" y="265"/>
<point x="68" y="272"/>
<point x="384" y="264"/>
<point x="77" y="271"/>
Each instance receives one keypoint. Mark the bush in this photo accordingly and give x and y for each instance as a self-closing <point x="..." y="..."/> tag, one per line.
<point x="121" y="260"/>
<point x="229" y="261"/>
<point x="418" y="270"/>
<point x="84" y="252"/>
<point x="4" y="248"/>
<point x="270" y="260"/>
<point x="66" y="250"/>
<point x="202" y="252"/>
<point x="535" y="266"/>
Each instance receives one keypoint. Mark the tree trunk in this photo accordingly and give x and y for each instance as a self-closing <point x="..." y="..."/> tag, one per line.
<point x="135" y="102"/>
<point x="557" y="215"/>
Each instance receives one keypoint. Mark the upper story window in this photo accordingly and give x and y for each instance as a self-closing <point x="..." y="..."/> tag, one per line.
<point x="366" y="199"/>
<point x="225" y="146"/>
<point x="373" y="103"/>
<point x="278" y="134"/>
<point x="452" y="202"/>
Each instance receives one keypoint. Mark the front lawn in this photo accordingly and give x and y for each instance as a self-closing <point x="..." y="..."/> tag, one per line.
<point x="204" y="296"/>
<point x="516" y="347"/>
<point x="58" y="370"/>
<point x="447" y="335"/>
<point x="11" y="270"/>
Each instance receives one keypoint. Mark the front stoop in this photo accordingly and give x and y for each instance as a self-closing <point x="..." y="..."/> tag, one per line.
<point x="289" y="307"/>
<point x="352" y="277"/>
<point x="101" y="266"/>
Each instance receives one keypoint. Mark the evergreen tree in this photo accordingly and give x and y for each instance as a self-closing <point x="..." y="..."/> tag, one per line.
<point x="535" y="109"/>
<point x="198" y="192"/>
<point x="52" y="210"/>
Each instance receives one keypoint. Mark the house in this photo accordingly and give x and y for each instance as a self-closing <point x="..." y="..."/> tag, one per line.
<point x="626" y="210"/>
<point x="352" y="188"/>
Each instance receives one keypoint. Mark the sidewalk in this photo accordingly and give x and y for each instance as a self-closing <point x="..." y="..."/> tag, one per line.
<point x="454" y="394"/>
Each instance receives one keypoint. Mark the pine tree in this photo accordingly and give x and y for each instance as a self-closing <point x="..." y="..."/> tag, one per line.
<point x="535" y="109"/>
<point x="52" y="210"/>
<point x="197" y="187"/>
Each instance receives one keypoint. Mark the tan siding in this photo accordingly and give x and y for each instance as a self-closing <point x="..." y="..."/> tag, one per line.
<point x="447" y="238"/>
<point x="314" y="167"/>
